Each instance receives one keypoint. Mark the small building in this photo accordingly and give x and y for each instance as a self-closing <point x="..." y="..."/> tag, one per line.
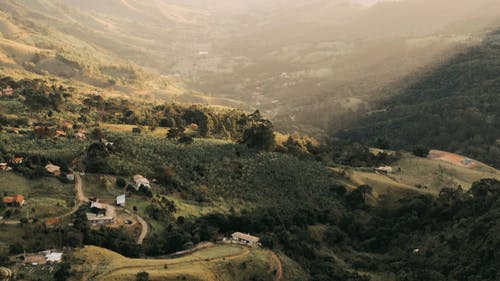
<point x="14" y="201"/>
<point x="120" y="200"/>
<point x="95" y="219"/>
<point x="80" y="136"/>
<point x="4" y="166"/>
<point x="97" y="205"/>
<point x="384" y="170"/>
<point x="53" y="169"/>
<point x="141" y="181"/>
<point x="105" y="214"/>
<point x="246" y="239"/>
<point x="70" y="177"/>
<point x="53" y="257"/>
<point x="51" y="222"/>
<point x="7" y="91"/>
<point x="17" y="160"/>
<point x="60" y="133"/>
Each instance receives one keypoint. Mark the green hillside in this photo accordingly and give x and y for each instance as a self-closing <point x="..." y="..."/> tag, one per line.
<point x="454" y="107"/>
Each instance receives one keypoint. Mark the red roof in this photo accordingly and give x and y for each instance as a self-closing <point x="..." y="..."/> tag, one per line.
<point x="10" y="199"/>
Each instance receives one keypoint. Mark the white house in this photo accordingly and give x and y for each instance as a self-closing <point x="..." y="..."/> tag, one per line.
<point x="384" y="169"/>
<point x="246" y="239"/>
<point x="120" y="200"/>
<point x="141" y="181"/>
<point x="53" y="257"/>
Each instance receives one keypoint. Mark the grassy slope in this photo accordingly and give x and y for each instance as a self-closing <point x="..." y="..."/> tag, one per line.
<point x="48" y="196"/>
<point x="217" y="263"/>
<point x="431" y="173"/>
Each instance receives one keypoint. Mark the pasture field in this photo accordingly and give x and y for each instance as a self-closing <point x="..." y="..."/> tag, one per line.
<point x="215" y="263"/>
<point x="45" y="197"/>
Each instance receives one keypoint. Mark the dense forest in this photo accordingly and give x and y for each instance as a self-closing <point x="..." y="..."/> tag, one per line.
<point x="454" y="107"/>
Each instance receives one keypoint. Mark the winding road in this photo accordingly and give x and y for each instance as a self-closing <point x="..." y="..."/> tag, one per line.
<point x="80" y="196"/>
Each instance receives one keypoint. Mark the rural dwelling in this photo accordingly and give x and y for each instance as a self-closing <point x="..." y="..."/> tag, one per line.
<point x="3" y="166"/>
<point x="17" y="160"/>
<point x="67" y="125"/>
<point x="246" y="239"/>
<point x="53" y="169"/>
<point x="60" y="133"/>
<point x="70" y="177"/>
<point x="384" y="170"/>
<point x="95" y="219"/>
<point x="53" y="257"/>
<point x="14" y="201"/>
<point x="80" y="136"/>
<point x="105" y="214"/>
<point x="120" y="200"/>
<point x="141" y="181"/>
<point x="7" y="91"/>
<point x="51" y="222"/>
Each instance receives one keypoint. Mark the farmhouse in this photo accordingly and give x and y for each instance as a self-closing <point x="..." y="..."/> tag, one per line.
<point x="3" y="166"/>
<point x="70" y="177"/>
<point x="96" y="219"/>
<point x="384" y="170"/>
<point x="17" y="160"/>
<point x="17" y="200"/>
<point x="43" y="257"/>
<point x="53" y="169"/>
<point x="105" y="214"/>
<point x="53" y="257"/>
<point x="7" y="91"/>
<point x="141" y="181"/>
<point x="245" y="239"/>
<point x="60" y="133"/>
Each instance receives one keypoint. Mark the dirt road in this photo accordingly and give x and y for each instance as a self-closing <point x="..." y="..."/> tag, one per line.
<point x="279" y="267"/>
<point x="5" y="274"/>
<point x="144" y="226"/>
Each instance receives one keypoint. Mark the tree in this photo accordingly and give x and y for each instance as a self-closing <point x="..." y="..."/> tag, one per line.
<point x="121" y="182"/>
<point x="63" y="273"/>
<point x="174" y="133"/>
<point x="142" y="276"/>
<point x="421" y="151"/>
<point x="260" y="136"/>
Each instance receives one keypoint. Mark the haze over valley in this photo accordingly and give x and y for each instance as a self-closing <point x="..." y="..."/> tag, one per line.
<point x="237" y="140"/>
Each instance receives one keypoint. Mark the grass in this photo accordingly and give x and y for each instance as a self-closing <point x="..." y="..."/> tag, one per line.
<point x="124" y="128"/>
<point x="47" y="196"/>
<point x="216" y="263"/>
<point x="436" y="174"/>
<point x="433" y="174"/>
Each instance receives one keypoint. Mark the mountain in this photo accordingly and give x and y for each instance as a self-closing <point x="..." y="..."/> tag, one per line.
<point x="307" y="65"/>
<point x="310" y="64"/>
<point x="454" y="106"/>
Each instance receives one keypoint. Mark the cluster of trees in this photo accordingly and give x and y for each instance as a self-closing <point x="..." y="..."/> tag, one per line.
<point x="415" y="238"/>
<point x="454" y="107"/>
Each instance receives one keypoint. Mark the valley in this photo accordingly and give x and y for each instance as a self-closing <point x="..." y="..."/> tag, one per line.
<point x="236" y="140"/>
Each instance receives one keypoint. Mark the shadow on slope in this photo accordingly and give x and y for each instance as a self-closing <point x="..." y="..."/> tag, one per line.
<point x="454" y="107"/>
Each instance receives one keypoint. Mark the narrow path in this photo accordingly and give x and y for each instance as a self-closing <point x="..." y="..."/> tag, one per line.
<point x="279" y="267"/>
<point x="144" y="225"/>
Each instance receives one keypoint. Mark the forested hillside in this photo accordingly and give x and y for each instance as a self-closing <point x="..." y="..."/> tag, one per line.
<point x="454" y="107"/>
